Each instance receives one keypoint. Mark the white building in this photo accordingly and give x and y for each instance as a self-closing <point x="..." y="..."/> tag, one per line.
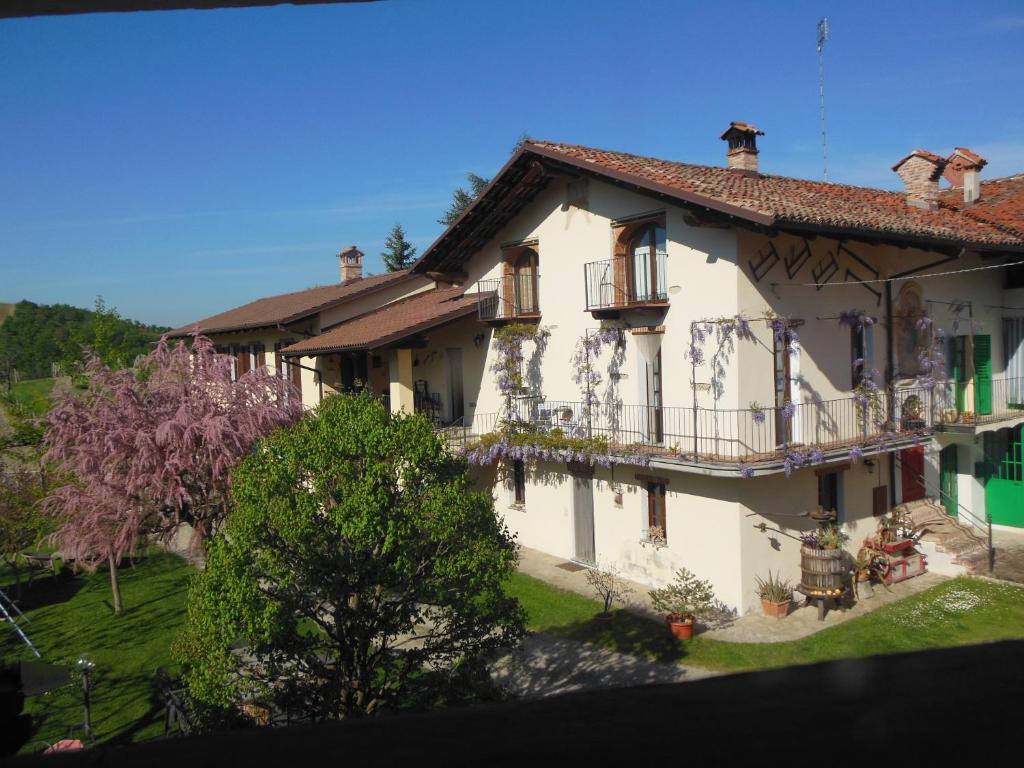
<point x="800" y="290"/>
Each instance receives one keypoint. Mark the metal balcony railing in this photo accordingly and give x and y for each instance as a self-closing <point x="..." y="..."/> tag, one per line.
<point x="626" y="281"/>
<point x="962" y="404"/>
<point x="729" y="436"/>
<point x="509" y="297"/>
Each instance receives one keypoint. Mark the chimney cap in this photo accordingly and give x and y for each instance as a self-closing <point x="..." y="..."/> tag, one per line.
<point x="965" y="159"/>
<point x="349" y="249"/>
<point x="740" y="127"/>
<point x="931" y="157"/>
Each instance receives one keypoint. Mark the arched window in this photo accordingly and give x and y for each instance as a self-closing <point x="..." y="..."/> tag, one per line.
<point x="646" y="257"/>
<point x="525" y="277"/>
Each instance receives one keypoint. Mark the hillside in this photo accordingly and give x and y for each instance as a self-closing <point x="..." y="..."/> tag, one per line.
<point x="5" y="311"/>
<point x="35" y="335"/>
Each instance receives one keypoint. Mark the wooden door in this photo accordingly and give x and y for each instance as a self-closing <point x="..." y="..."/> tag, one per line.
<point x="912" y="463"/>
<point x="583" y="519"/>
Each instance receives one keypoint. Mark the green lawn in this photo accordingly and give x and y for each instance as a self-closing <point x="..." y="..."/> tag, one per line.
<point x="34" y="394"/>
<point x="73" y="616"/>
<point x="957" y="612"/>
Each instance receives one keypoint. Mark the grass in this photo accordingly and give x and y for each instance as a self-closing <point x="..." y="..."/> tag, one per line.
<point x="34" y="394"/>
<point x="72" y="615"/>
<point x="957" y="612"/>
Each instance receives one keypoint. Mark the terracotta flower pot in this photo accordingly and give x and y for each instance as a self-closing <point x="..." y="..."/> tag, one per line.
<point x="775" y="610"/>
<point x="681" y="625"/>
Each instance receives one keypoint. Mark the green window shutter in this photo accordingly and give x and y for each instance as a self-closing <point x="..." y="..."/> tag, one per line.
<point x="983" y="374"/>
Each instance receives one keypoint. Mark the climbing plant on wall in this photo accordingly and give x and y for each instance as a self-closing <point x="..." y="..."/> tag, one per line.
<point x="508" y="359"/>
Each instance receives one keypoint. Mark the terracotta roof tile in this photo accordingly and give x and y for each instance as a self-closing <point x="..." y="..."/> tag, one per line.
<point x="288" y="307"/>
<point x="1000" y="204"/>
<point x="782" y="200"/>
<point x="391" y="323"/>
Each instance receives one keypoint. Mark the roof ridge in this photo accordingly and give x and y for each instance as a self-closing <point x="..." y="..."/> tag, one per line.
<point x="555" y="144"/>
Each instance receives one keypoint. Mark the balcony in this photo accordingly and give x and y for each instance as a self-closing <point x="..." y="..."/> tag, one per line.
<point x="509" y="298"/>
<point x="728" y="437"/>
<point x="635" y="282"/>
<point x="964" y="406"/>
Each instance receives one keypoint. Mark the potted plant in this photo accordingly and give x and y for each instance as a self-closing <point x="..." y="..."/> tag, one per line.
<point x="776" y="595"/>
<point x="682" y="600"/>
<point x="868" y="566"/>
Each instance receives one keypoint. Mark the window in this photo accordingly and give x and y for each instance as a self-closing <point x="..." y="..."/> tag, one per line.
<point x="518" y="482"/>
<point x="655" y="421"/>
<point x="656" y="508"/>
<point x="525" y="281"/>
<point x="829" y="493"/>
<point x="517" y="291"/>
<point x="861" y="353"/>
<point x="645" y="263"/>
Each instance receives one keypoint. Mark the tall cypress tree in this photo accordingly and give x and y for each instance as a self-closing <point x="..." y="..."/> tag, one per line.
<point x="400" y="253"/>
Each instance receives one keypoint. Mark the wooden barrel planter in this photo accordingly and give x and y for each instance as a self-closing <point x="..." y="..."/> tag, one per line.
<point x="822" y="571"/>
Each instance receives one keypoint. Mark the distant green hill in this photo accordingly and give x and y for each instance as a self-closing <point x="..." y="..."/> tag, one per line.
<point x="35" y="335"/>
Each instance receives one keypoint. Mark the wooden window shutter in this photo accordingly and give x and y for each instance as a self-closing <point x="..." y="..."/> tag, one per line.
<point x="295" y="376"/>
<point x="508" y="289"/>
<point x="879" y="500"/>
<point x="244" y="350"/>
<point x="983" y="374"/>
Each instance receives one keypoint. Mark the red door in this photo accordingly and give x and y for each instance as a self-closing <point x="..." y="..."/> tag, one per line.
<point x="912" y="461"/>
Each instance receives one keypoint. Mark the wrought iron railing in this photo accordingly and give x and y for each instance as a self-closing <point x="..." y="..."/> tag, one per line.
<point x="509" y="297"/>
<point x="976" y="403"/>
<point x="626" y="281"/>
<point x="469" y="428"/>
<point x="745" y="435"/>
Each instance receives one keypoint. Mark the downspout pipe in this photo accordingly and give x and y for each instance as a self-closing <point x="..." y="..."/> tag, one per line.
<point x="889" y="378"/>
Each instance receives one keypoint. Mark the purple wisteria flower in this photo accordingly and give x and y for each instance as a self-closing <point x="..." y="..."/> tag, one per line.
<point x="788" y="409"/>
<point x="746" y="471"/>
<point x="816" y="456"/>
<point x="856" y="453"/>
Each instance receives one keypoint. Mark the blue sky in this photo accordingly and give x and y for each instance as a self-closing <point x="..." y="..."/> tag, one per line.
<point x="181" y="163"/>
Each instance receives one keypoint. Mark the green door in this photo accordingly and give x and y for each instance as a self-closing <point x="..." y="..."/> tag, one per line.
<point x="948" y="479"/>
<point x="1004" y="467"/>
<point x="983" y="374"/>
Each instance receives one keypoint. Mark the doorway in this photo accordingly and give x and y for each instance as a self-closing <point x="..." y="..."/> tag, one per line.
<point x="948" y="480"/>
<point x="912" y="467"/>
<point x="583" y="519"/>
<point x="456" y="403"/>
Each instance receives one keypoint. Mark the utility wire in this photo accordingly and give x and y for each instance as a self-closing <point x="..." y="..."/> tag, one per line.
<point x="896" y="279"/>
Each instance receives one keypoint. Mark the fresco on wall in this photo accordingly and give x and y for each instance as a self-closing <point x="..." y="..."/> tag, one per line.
<point x="910" y="339"/>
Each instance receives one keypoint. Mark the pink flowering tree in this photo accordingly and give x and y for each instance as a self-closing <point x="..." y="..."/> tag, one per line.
<point x="149" y="448"/>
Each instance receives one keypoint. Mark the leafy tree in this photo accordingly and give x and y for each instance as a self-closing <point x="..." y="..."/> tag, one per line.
<point x="400" y="253"/>
<point x="356" y="560"/>
<point x="22" y="525"/>
<point x="35" y="336"/>
<point x="462" y="199"/>
<point x="146" y="449"/>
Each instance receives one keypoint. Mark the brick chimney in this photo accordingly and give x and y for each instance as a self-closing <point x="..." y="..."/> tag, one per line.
<point x="963" y="169"/>
<point x="920" y="171"/>
<point x="351" y="260"/>
<point x="742" y="153"/>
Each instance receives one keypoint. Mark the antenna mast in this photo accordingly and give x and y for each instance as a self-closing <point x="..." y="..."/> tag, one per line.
<point x="822" y="37"/>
